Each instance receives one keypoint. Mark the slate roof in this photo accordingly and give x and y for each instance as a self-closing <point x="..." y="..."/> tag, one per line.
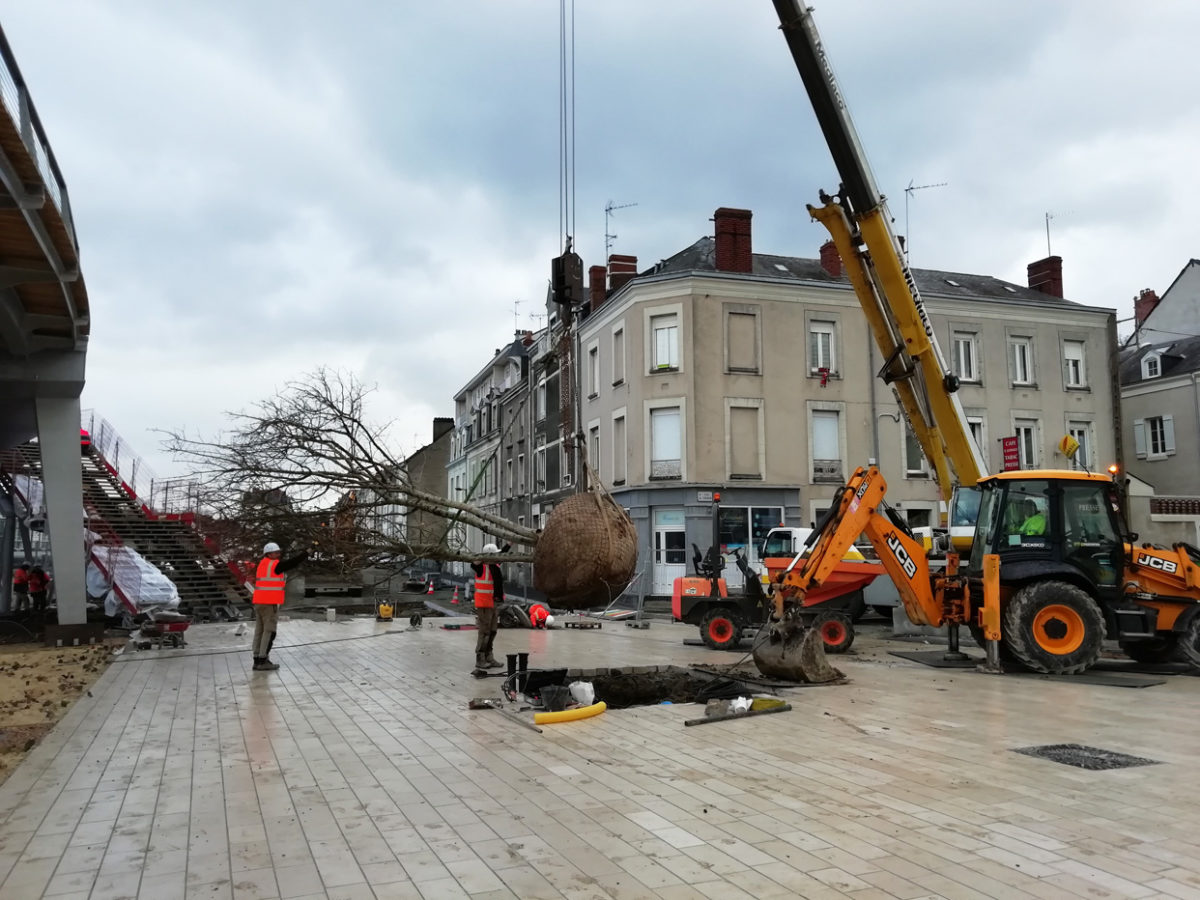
<point x="700" y="257"/>
<point x="1177" y="358"/>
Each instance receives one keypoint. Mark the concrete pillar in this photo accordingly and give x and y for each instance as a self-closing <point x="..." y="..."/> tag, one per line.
<point x="62" y="477"/>
<point x="8" y="534"/>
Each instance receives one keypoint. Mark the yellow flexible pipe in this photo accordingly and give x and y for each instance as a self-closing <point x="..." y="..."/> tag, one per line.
<point x="570" y="715"/>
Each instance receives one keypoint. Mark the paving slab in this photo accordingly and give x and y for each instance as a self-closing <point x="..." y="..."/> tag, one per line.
<point x="356" y="770"/>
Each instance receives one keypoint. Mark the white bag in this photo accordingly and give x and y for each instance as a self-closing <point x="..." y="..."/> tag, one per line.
<point x="582" y="692"/>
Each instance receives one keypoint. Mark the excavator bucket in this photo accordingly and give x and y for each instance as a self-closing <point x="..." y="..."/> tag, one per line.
<point x="792" y="651"/>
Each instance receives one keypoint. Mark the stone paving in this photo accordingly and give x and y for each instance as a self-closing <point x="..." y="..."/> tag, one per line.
<point x="356" y="771"/>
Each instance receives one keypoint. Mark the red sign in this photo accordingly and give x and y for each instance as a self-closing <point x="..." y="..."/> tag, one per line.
<point x="1012" y="453"/>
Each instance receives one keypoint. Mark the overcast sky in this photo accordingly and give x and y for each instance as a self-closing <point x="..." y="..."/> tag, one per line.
<point x="264" y="186"/>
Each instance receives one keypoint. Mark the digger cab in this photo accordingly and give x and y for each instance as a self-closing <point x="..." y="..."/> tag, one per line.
<point x="1052" y="524"/>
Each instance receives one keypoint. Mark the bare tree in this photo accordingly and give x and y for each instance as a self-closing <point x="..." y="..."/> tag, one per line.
<point x="308" y="464"/>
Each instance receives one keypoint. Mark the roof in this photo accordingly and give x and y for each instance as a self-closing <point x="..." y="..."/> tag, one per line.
<point x="1047" y="475"/>
<point x="701" y="257"/>
<point x="1178" y="357"/>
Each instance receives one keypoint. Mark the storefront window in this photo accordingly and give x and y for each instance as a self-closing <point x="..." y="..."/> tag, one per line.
<point x="745" y="527"/>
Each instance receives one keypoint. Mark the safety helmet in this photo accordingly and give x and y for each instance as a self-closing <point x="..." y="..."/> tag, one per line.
<point x="490" y="548"/>
<point x="272" y="547"/>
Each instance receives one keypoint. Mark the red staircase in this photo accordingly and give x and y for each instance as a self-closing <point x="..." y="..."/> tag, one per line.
<point x="208" y="586"/>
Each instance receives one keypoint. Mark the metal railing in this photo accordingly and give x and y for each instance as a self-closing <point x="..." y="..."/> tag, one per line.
<point x="17" y="101"/>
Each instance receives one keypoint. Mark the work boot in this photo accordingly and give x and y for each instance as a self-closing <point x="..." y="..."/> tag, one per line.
<point x="265" y="665"/>
<point x="480" y="661"/>
<point x="492" y="663"/>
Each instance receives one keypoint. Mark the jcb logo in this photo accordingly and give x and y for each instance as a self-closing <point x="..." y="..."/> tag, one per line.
<point x="902" y="557"/>
<point x="1163" y="565"/>
<point x="862" y="488"/>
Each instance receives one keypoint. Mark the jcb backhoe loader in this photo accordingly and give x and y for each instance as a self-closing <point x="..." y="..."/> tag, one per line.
<point x="1041" y="588"/>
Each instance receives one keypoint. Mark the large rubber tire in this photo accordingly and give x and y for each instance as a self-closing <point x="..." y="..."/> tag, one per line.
<point x="884" y="612"/>
<point x="854" y="606"/>
<point x="837" y="630"/>
<point x="1162" y="648"/>
<point x="1053" y="627"/>
<point x="1189" y="643"/>
<point x="721" y="628"/>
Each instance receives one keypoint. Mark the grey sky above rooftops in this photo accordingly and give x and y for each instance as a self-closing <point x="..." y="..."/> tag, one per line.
<point x="261" y="188"/>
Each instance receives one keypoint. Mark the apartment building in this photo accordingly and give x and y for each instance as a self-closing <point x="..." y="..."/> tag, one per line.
<point x="720" y="369"/>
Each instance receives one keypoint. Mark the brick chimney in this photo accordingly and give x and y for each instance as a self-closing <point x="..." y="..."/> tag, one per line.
<point x="597" y="290"/>
<point x="831" y="261"/>
<point x="1045" y="275"/>
<point x="441" y="425"/>
<point x="621" y="270"/>
<point x="527" y="338"/>
<point x="1143" y="305"/>
<point x="734" y="253"/>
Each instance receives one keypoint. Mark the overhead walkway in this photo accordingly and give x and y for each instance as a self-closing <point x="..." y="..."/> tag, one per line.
<point x="44" y="325"/>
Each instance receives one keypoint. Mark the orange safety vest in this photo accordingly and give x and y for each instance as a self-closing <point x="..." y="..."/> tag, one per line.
<point x="538" y="615"/>
<point x="268" y="585"/>
<point x="20" y="580"/>
<point x="485" y="589"/>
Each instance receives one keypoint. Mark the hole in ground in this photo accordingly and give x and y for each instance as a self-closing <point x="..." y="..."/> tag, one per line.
<point x="622" y="688"/>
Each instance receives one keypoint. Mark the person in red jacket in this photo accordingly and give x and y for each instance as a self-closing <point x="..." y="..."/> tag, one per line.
<point x="20" y="588"/>
<point x="39" y="581"/>
<point x="269" y="585"/>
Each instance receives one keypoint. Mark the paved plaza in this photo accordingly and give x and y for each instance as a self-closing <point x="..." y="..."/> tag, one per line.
<point x="357" y="771"/>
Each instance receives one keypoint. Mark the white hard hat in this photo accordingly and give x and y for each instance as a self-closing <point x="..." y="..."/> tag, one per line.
<point x="549" y="621"/>
<point x="490" y="548"/>
<point x="272" y="547"/>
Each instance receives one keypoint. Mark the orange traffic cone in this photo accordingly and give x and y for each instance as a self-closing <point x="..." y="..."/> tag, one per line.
<point x="430" y="591"/>
<point x="454" y="599"/>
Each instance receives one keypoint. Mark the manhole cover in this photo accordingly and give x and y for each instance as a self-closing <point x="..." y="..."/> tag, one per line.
<point x="1086" y="757"/>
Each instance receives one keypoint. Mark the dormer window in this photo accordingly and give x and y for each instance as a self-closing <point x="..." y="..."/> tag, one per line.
<point x="1151" y="366"/>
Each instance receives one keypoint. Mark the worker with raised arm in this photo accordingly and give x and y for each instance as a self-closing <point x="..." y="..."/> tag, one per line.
<point x="269" y="584"/>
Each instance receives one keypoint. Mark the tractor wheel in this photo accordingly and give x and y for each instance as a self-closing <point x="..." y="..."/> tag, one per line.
<point x="1053" y="627"/>
<point x="1189" y="643"/>
<point x="884" y="612"/>
<point x="854" y="606"/>
<point x="1162" y="648"/>
<point x="837" y="630"/>
<point x="721" y="628"/>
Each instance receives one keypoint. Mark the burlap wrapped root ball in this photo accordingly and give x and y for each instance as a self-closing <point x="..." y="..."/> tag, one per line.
<point x="586" y="554"/>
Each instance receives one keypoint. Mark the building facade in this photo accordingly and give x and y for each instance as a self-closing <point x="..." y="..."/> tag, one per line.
<point x="754" y="375"/>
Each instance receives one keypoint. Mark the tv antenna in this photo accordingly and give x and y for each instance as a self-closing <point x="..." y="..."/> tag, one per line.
<point x="908" y="192"/>
<point x="1049" y="216"/>
<point x="609" y="237"/>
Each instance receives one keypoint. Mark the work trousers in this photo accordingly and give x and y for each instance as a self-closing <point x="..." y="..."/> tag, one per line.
<point x="266" y="617"/>
<point x="485" y="620"/>
<point x="20" y="600"/>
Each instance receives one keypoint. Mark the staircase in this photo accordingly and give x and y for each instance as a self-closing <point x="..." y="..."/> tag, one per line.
<point x="208" y="587"/>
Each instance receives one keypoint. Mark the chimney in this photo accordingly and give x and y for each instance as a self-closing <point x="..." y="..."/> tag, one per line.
<point x="831" y="261"/>
<point x="1143" y="305"/>
<point x="441" y="425"/>
<point x="733" y="240"/>
<point x="1045" y="275"/>
<point x="597" y="290"/>
<point x="527" y="339"/>
<point x="621" y="270"/>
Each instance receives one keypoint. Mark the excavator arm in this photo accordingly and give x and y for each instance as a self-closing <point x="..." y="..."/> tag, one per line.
<point x="860" y="509"/>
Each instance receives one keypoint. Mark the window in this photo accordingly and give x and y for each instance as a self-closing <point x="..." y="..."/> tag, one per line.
<point x="539" y="469"/>
<point x="593" y="371"/>
<point x="619" y="450"/>
<point x="741" y="341"/>
<point x="594" y="449"/>
<point x="511" y="479"/>
<point x="1020" y="360"/>
<point x="665" y="331"/>
<point x="826" y="447"/>
<point x="521" y="473"/>
<point x="618" y="355"/>
<point x="539" y="401"/>
<point x="918" y="518"/>
<point x="665" y="443"/>
<point x="1151" y="366"/>
<point x="975" y="424"/>
<point x="565" y="466"/>
<point x="822" y="347"/>
<point x="1154" y="437"/>
<point x="914" y="456"/>
<point x="966" y="357"/>
<point x="1074" y="372"/>
<point x="1027" y="442"/>
<point x="745" y="459"/>
<point x="1082" y="432"/>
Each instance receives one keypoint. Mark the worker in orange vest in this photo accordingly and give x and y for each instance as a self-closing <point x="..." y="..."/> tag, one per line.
<point x="20" y="588"/>
<point x="489" y="588"/>
<point x="39" y="582"/>
<point x="538" y="615"/>
<point x="269" y="584"/>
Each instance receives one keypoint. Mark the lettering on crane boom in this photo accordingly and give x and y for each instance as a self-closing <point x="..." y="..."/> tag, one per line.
<point x="902" y="557"/>
<point x="920" y="304"/>
<point x="1164" y="565"/>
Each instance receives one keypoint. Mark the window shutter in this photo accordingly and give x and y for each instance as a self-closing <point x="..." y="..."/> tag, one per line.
<point x="1139" y="437"/>
<point x="1169" y="433"/>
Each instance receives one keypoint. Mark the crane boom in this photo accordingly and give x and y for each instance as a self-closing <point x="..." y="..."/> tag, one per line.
<point x="860" y="225"/>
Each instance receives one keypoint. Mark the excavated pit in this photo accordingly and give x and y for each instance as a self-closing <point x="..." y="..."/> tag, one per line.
<point x="623" y="688"/>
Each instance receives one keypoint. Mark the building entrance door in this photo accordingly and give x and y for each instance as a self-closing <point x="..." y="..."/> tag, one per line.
<point x="670" y="550"/>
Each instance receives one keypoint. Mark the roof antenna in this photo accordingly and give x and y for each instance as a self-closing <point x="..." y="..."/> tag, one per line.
<point x="608" y="236"/>
<point x="908" y="192"/>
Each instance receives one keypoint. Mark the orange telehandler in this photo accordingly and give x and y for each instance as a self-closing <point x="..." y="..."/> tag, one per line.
<point x="1041" y="592"/>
